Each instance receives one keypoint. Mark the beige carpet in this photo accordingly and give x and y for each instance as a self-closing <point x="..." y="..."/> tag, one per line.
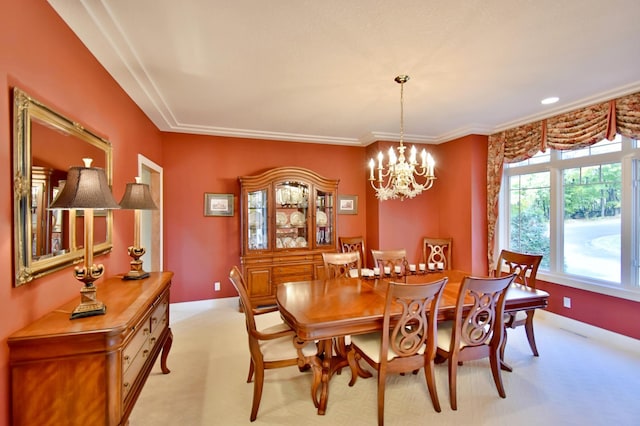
<point x="584" y="376"/>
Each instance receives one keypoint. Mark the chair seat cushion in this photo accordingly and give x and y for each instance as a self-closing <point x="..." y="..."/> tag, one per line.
<point x="282" y="348"/>
<point x="521" y="315"/>
<point x="371" y="343"/>
<point x="445" y="329"/>
<point x="276" y="328"/>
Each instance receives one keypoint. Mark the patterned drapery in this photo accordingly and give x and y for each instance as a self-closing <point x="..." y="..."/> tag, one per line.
<point x="572" y="130"/>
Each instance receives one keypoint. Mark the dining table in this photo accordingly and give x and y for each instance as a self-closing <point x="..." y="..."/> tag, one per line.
<point x="326" y="310"/>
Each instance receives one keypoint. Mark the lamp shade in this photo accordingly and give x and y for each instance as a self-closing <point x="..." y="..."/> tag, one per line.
<point x="137" y="196"/>
<point x="85" y="188"/>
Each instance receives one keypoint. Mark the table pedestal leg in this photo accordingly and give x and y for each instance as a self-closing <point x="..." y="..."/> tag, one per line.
<point x="330" y="364"/>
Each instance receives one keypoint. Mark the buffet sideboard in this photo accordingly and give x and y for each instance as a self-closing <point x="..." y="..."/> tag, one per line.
<point x="90" y="371"/>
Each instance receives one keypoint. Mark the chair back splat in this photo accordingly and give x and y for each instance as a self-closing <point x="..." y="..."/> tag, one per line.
<point x="348" y="244"/>
<point x="391" y="259"/>
<point x="341" y="265"/>
<point x="525" y="266"/>
<point x="437" y="251"/>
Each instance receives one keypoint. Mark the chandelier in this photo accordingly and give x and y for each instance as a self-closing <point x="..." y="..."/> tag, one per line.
<point x="400" y="178"/>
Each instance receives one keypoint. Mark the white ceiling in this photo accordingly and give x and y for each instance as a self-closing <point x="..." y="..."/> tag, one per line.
<point x="322" y="70"/>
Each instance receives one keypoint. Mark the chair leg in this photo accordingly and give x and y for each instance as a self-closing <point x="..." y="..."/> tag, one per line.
<point x="382" y="376"/>
<point x="257" y="392"/>
<point x="528" y="326"/>
<point x="429" y="374"/>
<point x="494" y="360"/>
<point x="250" y="376"/>
<point x="453" y="373"/>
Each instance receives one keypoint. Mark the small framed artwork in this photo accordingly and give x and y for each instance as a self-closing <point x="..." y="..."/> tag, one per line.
<point x="218" y="204"/>
<point x="347" y="204"/>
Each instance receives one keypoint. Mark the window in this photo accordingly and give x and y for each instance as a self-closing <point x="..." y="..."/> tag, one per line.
<point x="581" y="210"/>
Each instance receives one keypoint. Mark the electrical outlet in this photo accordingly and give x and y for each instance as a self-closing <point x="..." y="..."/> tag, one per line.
<point x="566" y="302"/>
<point x="216" y="286"/>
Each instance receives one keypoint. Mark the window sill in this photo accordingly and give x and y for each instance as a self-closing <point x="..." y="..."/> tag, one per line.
<point x="595" y="287"/>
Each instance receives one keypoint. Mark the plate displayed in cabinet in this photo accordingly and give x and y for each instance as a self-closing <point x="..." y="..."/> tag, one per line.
<point x="281" y="218"/>
<point x="301" y="242"/>
<point x="296" y="219"/>
<point x="321" y="218"/>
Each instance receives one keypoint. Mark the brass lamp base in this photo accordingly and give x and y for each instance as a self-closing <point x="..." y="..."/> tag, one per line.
<point x="88" y="306"/>
<point x="135" y="275"/>
<point x="136" y="272"/>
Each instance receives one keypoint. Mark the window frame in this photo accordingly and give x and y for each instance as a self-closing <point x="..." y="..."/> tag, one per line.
<point x="629" y="159"/>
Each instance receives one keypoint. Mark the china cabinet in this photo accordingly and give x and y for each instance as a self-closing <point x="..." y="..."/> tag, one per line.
<point x="288" y="219"/>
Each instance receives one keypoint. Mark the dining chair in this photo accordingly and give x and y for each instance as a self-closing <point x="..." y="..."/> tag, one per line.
<point x="390" y="259"/>
<point x="337" y="265"/>
<point x="406" y="342"/>
<point x="340" y="265"/>
<point x="437" y="250"/>
<point x="275" y="347"/>
<point x="348" y="244"/>
<point x="525" y="266"/>
<point x="477" y="329"/>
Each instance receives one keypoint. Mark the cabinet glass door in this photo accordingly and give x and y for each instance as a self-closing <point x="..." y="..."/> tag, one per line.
<point x="325" y="227"/>
<point x="292" y="212"/>
<point x="257" y="239"/>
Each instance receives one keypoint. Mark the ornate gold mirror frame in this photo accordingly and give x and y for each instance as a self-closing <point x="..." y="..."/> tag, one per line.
<point x="45" y="145"/>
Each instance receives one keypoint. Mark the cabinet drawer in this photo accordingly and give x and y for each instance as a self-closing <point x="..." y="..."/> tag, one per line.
<point x="136" y="364"/>
<point x="159" y="321"/>
<point x="279" y="271"/>
<point x="133" y="347"/>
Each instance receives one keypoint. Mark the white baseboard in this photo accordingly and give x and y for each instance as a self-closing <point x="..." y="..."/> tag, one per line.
<point x="603" y="336"/>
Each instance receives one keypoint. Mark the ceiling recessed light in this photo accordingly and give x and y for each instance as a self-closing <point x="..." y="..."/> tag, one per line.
<point x="550" y="100"/>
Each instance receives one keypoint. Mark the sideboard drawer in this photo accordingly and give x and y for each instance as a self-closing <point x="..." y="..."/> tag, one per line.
<point x="159" y="321"/>
<point x="133" y="347"/>
<point x="132" y="372"/>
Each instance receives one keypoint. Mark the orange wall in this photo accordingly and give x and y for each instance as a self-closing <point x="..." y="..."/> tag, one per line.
<point x="41" y="55"/>
<point x="455" y="206"/>
<point x="201" y="250"/>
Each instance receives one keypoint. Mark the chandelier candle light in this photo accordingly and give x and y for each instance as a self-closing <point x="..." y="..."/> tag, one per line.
<point x="137" y="196"/>
<point x="86" y="189"/>
<point x="399" y="178"/>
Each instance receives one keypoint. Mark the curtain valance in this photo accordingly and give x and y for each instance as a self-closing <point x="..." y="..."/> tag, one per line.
<point x="572" y="130"/>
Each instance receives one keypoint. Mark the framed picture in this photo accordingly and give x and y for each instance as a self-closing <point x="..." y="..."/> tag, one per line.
<point x="218" y="204"/>
<point x="347" y="204"/>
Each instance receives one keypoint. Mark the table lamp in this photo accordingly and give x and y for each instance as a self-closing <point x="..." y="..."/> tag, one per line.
<point x="137" y="197"/>
<point x="86" y="189"/>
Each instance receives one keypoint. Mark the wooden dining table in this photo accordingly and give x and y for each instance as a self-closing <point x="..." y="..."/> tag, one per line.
<point x="323" y="310"/>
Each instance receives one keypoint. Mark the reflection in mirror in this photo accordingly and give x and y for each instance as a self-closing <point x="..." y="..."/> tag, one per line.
<point x="46" y="145"/>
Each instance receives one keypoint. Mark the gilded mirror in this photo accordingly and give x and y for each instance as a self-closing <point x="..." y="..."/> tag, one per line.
<point x="45" y="145"/>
